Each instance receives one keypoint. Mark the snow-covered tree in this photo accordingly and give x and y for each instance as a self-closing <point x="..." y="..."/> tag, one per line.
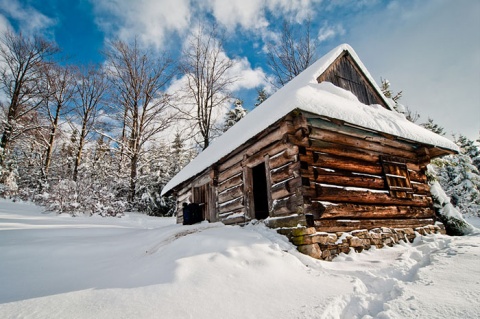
<point x="234" y="115"/>
<point x="395" y="97"/>
<point x="435" y="128"/>
<point x="460" y="178"/>
<point x="261" y="97"/>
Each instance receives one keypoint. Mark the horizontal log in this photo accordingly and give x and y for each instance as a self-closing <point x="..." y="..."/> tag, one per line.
<point x="323" y="160"/>
<point x="282" y="159"/>
<point x="259" y="157"/>
<point x="231" y="206"/>
<point x="325" y="225"/>
<point x="342" y="195"/>
<point x="231" y="182"/>
<point x="236" y="220"/>
<point x="344" y="151"/>
<point x="348" y="179"/>
<point x="185" y="197"/>
<point x="262" y="142"/>
<point x="227" y="214"/>
<point x="361" y="134"/>
<point x="230" y="194"/>
<point x="229" y="173"/>
<point x="321" y="211"/>
<point x="339" y="138"/>
<point x="342" y="163"/>
<point x="286" y="188"/>
<point x="287" y="205"/>
<point x="285" y="172"/>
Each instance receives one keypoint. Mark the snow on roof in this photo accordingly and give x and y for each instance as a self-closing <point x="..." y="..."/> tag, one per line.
<point x="325" y="99"/>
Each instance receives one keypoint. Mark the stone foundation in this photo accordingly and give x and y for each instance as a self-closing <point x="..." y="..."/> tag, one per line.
<point x="326" y="246"/>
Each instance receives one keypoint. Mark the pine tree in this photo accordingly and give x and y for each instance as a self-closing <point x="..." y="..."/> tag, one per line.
<point x="234" y="115"/>
<point x="435" y="128"/>
<point x="400" y="108"/>
<point x="460" y="178"/>
<point x="261" y="97"/>
<point x="469" y="148"/>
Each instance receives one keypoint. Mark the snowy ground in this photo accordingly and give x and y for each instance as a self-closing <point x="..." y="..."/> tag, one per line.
<point x="143" y="267"/>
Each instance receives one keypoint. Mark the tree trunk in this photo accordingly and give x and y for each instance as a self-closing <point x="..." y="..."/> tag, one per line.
<point x="51" y="140"/>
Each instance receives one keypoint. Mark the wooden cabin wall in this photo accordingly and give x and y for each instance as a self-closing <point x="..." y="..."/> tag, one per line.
<point x="234" y="175"/>
<point x="188" y="191"/>
<point x="345" y="183"/>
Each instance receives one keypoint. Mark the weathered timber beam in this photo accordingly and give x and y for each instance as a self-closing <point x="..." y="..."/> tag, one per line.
<point x="285" y="172"/>
<point x="341" y="195"/>
<point x="272" y="134"/>
<point x="342" y="163"/>
<point x="231" y="206"/>
<point x="287" y="205"/>
<point x="286" y="188"/>
<point x="230" y="194"/>
<point x="229" y="183"/>
<point x="335" y="137"/>
<point x="230" y="172"/>
<point x="283" y="158"/>
<point x="340" y="179"/>
<point x="373" y="137"/>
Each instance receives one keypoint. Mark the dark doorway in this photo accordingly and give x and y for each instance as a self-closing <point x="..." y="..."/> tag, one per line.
<point x="200" y="197"/>
<point x="260" y="198"/>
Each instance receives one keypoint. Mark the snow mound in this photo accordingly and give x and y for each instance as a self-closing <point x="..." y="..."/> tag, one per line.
<point x="145" y="267"/>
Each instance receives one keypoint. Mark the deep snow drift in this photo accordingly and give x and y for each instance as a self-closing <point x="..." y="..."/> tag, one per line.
<point x="144" y="267"/>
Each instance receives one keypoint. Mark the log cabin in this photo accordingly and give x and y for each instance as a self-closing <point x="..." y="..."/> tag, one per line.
<point x="327" y="150"/>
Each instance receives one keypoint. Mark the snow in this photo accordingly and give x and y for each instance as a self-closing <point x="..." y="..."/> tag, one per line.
<point x="53" y="266"/>
<point x="324" y="99"/>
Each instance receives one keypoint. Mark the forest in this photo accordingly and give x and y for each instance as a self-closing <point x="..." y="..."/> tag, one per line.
<point x="105" y="139"/>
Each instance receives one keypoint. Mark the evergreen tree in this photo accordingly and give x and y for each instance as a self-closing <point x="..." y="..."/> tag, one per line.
<point x="435" y="128"/>
<point x="234" y="115"/>
<point x="261" y="97"/>
<point x="460" y="178"/>
<point x="469" y="148"/>
<point x="395" y="97"/>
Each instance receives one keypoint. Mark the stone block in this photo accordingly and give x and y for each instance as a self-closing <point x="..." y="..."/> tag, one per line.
<point x="288" y="221"/>
<point x="332" y="238"/>
<point x="355" y="242"/>
<point x="311" y="250"/>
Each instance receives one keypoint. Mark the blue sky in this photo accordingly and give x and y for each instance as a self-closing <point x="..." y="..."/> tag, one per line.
<point x="429" y="49"/>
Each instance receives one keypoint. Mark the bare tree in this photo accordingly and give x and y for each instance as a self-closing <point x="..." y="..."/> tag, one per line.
<point x="21" y="81"/>
<point x="292" y="53"/>
<point x="139" y="81"/>
<point x="59" y="89"/>
<point x="206" y="67"/>
<point x="90" y="90"/>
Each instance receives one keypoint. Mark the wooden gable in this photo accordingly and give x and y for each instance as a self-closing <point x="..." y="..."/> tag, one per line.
<point x="344" y="72"/>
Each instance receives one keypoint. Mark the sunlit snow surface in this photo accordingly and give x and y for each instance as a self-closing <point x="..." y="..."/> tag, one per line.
<point x="143" y="267"/>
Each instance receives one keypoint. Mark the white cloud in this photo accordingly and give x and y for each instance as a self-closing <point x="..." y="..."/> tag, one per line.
<point x="247" y="78"/>
<point x="327" y="32"/>
<point x="299" y="10"/>
<point x="30" y="21"/>
<point x="249" y="14"/>
<point x="151" y="21"/>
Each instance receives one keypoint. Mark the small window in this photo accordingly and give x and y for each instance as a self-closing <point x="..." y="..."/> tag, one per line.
<point x="397" y="177"/>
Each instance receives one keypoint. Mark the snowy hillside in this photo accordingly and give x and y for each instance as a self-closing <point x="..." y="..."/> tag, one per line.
<point x="145" y="267"/>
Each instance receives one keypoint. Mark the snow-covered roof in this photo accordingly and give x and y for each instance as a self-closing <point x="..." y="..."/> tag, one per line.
<point x="325" y="99"/>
